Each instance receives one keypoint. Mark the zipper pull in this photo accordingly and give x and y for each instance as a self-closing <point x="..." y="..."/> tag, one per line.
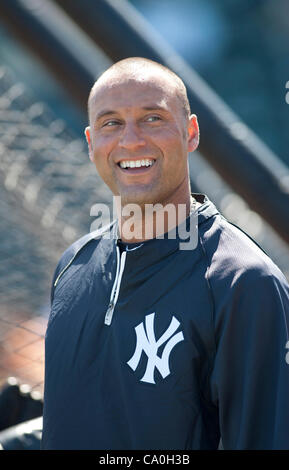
<point x="108" y="315"/>
<point x="115" y="288"/>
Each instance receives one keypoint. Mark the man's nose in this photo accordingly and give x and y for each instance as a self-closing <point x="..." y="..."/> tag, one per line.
<point x="131" y="137"/>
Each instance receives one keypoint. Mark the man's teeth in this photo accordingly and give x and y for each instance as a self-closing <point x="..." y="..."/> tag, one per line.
<point x="136" y="163"/>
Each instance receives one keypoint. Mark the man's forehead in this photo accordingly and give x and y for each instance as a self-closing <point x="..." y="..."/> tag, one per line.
<point x="128" y="86"/>
<point x="148" y="75"/>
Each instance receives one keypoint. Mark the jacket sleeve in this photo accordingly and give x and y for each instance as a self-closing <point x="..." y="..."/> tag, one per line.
<point x="250" y="377"/>
<point x="70" y="253"/>
<point x="63" y="262"/>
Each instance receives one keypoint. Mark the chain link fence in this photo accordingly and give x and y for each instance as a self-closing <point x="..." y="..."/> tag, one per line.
<point x="47" y="189"/>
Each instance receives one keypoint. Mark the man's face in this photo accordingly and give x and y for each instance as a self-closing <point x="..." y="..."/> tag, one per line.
<point x="139" y="139"/>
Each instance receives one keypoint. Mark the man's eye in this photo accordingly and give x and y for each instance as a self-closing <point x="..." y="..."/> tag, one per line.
<point x="110" y="123"/>
<point x="153" y="118"/>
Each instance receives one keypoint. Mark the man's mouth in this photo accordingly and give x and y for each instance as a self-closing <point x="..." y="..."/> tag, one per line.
<point x="132" y="164"/>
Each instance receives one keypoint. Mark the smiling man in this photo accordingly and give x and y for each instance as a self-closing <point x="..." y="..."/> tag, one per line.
<point x="140" y="135"/>
<point x="149" y="346"/>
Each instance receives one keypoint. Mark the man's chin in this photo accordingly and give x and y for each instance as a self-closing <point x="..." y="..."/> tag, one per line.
<point x="140" y="196"/>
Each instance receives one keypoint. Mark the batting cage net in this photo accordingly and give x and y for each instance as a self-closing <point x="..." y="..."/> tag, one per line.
<point x="47" y="189"/>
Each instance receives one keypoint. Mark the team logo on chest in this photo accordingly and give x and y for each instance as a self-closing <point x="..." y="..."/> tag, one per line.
<point x="147" y="343"/>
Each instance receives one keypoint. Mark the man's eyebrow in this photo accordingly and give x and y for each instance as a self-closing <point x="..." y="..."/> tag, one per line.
<point x="103" y="113"/>
<point x="154" y="108"/>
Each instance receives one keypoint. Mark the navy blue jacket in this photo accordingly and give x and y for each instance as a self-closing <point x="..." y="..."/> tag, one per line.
<point x="162" y="348"/>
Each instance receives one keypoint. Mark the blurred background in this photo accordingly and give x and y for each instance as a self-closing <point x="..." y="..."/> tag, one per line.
<point x="233" y="57"/>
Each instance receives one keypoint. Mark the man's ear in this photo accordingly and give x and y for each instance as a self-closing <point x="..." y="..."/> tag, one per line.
<point x="88" y="140"/>
<point x="193" y="133"/>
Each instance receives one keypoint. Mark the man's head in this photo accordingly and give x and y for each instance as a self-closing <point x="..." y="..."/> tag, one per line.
<point x="139" y="114"/>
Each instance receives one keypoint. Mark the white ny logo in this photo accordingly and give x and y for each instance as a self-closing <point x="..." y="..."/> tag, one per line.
<point x="146" y="342"/>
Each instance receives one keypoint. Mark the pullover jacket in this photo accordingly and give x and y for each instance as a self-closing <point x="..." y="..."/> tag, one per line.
<point x="162" y="348"/>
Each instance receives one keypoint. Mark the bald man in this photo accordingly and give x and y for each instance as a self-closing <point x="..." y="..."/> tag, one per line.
<point x="151" y="345"/>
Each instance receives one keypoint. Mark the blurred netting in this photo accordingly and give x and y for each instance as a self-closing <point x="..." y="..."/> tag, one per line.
<point x="47" y="189"/>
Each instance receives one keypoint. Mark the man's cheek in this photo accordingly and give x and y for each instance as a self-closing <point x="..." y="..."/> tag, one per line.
<point x="169" y="137"/>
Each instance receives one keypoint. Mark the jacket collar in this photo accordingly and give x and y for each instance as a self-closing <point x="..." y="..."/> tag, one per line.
<point x="159" y="247"/>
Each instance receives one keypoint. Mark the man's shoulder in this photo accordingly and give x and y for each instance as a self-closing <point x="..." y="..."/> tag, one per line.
<point x="233" y="255"/>
<point x="94" y="237"/>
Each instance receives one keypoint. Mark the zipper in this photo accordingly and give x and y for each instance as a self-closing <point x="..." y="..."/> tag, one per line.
<point x="116" y="286"/>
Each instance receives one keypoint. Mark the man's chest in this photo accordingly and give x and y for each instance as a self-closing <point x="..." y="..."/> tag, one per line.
<point x="161" y="324"/>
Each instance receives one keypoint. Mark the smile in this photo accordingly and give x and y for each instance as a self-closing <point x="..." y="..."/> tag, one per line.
<point x="146" y="162"/>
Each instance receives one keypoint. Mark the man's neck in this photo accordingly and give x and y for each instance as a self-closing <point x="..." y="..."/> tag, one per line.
<point x="154" y="220"/>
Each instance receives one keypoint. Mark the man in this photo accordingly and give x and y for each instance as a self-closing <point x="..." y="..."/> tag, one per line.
<point x="150" y="346"/>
